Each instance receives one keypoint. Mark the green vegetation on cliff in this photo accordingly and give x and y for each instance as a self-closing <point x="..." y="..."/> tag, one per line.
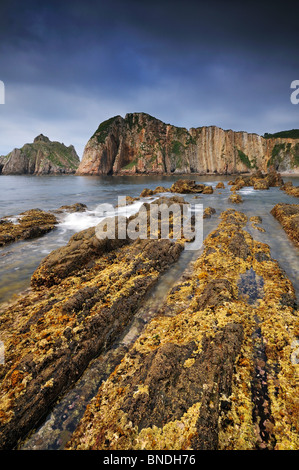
<point x="244" y="158"/>
<point x="291" y="134"/>
<point x="103" y="130"/>
<point x="41" y="156"/>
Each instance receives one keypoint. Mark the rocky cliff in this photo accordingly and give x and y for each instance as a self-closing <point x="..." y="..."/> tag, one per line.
<point x="40" y="157"/>
<point x="140" y="143"/>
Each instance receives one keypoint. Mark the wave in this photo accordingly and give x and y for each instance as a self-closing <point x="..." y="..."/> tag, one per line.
<point x="78" y="221"/>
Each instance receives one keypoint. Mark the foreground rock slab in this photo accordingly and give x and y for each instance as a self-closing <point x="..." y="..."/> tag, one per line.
<point x="216" y="368"/>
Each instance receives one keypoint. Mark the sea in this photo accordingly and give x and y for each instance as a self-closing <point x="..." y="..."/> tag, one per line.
<point x="19" y="260"/>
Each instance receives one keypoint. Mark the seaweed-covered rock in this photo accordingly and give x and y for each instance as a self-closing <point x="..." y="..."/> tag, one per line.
<point x="84" y="296"/>
<point x="161" y="189"/>
<point x="212" y="370"/>
<point x="207" y="213"/>
<point x="77" y="207"/>
<point x="30" y="224"/>
<point x="261" y="184"/>
<point x="208" y="190"/>
<point x="146" y="192"/>
<point x="288" y="216"/>
<point x="186" y="186"/>
<point x="235" y="198"/>
<point x="292" y="190"/>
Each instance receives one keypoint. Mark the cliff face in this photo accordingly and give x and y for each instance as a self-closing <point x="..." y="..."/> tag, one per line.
<point x="140" y="143"/>
<point x="40" y="157"/>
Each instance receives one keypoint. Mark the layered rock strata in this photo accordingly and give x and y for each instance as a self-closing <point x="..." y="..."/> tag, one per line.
<point x="42" y="157"/>
<point x="83" y="296"/>
<point x="140" y="143"/>
<point x="215" y="369"/>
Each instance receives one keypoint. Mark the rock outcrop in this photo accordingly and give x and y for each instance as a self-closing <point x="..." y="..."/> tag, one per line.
<point x="41" y="157"/>
<point x="30" y="224"/>
<point x="259" y="180"/>
<point x="290" y="189"/>
<point x="288" y="216"/>
<point x="140" y="143"/>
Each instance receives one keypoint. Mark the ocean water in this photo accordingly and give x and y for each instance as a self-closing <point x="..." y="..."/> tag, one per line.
<point x="19" y="193"/>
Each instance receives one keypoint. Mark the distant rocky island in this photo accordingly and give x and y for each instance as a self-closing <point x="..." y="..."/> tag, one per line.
<point x="42" y="157"/>
<point x="142" y="144"/>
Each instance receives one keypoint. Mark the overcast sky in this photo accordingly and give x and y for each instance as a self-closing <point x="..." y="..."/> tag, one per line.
<point x="69" y="65"/>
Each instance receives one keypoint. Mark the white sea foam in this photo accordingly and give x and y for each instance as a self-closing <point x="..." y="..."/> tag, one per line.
<point x="78" y="221"/>
<point x="247" y="190"/>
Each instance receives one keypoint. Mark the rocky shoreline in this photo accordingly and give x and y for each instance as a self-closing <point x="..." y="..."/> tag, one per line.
<point x="215" y="369"/>
<point x="197" y="378"/>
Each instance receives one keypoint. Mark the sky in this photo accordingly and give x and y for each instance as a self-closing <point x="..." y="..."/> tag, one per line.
<point x="69" y="65"/>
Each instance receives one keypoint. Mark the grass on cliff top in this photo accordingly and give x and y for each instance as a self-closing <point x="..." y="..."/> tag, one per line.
<point x="102" y="131"/>
<point x="291" y="134"/>
<point x="56" y="152"/>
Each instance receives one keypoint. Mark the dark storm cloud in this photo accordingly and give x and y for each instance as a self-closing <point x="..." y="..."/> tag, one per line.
<point x="189" y="63"/>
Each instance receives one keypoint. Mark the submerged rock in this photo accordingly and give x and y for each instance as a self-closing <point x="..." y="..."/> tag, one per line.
<point x="207" y="213"/>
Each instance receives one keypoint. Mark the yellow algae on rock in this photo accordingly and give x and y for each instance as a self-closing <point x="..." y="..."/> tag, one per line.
<point x="221" y="334"/>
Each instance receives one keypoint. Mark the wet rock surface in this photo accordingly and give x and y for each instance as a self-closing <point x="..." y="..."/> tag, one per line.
<point x="235" y="198"/>
<point x="77" y="207"/>
<point x="186" y="187"/>
<point x="30" y="224"/>
<point x="288" y="216"/>
<point x="212" y="370"/>
<point x="290" y="189"/>
<point x="82" y="299"/>
<point x="258" y="179"/>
